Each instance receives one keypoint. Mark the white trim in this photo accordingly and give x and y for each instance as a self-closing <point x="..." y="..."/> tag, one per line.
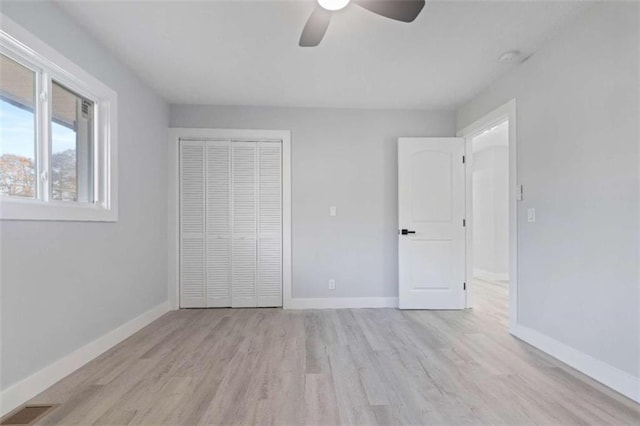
<point x="177" y="133"/>
<point x="26" y="389"/>
<point x="25" y="47"/>
<point x="618" y="380"/>
<point x="485" y="144"/>
<point x="344" y="303"/>
<point x="490" y="276"/>
<point x="504" y="112"/>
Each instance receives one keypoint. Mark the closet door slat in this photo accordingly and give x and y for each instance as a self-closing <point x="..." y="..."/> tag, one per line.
<point x="269" y="224"/>
<point x="244" y="194"/>
<point x="218" y="208"/>
<point x="192" y="225"/>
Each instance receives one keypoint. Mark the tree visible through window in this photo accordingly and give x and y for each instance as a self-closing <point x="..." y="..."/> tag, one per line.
<point x="17" y="130"/>
<point x="17" y="175"/>
<point x="58" y="135"/>
<point x="71" y="161"/>
<point x="71" y="146"/>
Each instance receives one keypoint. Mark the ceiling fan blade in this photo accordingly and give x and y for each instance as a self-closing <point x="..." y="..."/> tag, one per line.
<point x="315" y="27"/>
<point x="400" y="10"/>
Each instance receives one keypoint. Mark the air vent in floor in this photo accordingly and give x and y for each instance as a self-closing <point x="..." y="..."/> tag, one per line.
<point x="26" y="415"/>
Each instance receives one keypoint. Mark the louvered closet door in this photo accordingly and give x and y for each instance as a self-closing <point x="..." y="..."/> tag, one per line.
<point x="244" y="224"/>
<point x="269" y="287"/>
<point x="192" y="225"/>
<point x="218" y="217"/>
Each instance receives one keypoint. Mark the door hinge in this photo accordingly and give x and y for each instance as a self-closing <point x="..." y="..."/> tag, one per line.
<point x="464" y="222"/>
<point x="464" y="286"/>
<point x="463" y="159"/>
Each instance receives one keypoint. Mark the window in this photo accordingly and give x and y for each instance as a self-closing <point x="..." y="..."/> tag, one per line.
<point x="57" y="135"/>
<point x="71" y="146"/>
<point x="17" y="129"/>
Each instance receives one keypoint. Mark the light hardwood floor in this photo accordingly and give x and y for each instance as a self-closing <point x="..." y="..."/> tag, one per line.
<point x="324" y="367"/>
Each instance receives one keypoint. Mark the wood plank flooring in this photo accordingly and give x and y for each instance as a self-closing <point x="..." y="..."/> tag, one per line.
<point x="326" y="367"/>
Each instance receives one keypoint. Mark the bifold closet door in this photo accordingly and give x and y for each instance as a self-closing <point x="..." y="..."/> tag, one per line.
<point x="230" y="224"/>
<point x="218" y="224"/>
<point x="257" y="224"/>
<point x="269" y="248"/>
<point x="192" y="225"/>
<point x="244" y="224"/>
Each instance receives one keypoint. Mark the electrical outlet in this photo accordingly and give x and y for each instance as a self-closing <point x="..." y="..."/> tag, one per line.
<point x="332" y="284"/>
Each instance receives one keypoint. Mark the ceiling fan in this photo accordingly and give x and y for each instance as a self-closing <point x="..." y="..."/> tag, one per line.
<point x="318" y="22"/>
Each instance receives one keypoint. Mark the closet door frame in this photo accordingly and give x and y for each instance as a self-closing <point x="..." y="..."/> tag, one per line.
<point x="175" y="135"/>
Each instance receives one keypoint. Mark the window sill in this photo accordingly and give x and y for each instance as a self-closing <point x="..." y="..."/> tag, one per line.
<point x="16" y="209"/>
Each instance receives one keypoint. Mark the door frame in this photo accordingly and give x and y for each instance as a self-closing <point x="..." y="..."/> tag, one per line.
<point x="505" y="112"/>
<point x="173" y="225"/>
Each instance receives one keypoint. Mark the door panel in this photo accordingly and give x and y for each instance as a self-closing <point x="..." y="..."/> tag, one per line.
<point x="244" y="190"/>
<point x="244" y="273"/>
<point x="192" y="224"/>
<point x="218" y="223"/>
<point x="431" y="174"/>
<point x="270" y="224"/>
<point x="431" y="204"/>
<point x="430" y="264"/>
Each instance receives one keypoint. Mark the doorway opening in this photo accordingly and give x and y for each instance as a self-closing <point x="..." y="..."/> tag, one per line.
<point x="490" y="219"/>
<point x="492" y="192"/>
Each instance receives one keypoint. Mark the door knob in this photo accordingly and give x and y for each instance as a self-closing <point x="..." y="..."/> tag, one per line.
<point x="406" y="232"/>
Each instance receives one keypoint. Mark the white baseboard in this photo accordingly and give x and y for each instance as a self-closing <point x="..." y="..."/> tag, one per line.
<point x="344" y="302"/>
<point x="618" y="380"/>
<point x="490" y="276"/>
<point x="26" y="389"/>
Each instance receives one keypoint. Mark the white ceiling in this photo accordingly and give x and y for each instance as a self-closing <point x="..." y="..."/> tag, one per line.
<point x="246" y="52"/>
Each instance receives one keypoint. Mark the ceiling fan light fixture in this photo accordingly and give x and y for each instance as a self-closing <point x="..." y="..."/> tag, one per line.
<point x="333" y="5"/>
<point x="317" y="24"/>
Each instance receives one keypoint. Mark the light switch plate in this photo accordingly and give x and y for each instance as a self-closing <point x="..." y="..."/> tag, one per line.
<point x="333" y="211"/>
<point x="531" y="215"/>
<point x="332" y="284"/>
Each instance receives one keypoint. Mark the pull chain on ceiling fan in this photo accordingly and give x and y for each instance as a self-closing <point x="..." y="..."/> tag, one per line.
<point x="318" y="22"/>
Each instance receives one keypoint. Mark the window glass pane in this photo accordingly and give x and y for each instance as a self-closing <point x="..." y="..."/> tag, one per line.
<point x="71" y="146"/>
<point x="17" y="129"/>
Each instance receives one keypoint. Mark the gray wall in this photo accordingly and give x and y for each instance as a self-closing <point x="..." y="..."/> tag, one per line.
<point x="64" y="284"/>
<point x="341" y="157"/>
<point x="577" y="102"/>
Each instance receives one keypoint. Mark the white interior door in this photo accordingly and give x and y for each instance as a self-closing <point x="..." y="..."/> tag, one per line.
<point x="431" y="201"/>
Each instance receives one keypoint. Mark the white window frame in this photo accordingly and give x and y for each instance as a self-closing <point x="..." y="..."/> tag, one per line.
<point x="28" y="50"/>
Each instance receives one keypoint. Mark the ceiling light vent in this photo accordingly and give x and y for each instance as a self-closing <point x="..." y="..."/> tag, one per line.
<point x="86" y="108"/>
